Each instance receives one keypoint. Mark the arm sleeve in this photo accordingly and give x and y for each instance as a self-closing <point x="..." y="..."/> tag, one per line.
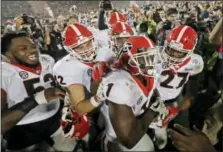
<point x="101" y="21"/>
<point x="193" y="85"/>
<point x="217" y="73"/>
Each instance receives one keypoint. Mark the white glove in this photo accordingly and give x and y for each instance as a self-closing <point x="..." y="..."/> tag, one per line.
<point x="159" y="106"/>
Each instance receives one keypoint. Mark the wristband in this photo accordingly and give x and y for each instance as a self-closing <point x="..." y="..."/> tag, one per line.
<point x="40" y="98"/>
<point x="94" y="102"/>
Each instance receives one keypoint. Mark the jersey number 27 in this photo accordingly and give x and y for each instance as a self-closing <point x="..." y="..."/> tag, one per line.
<point x="170" y="78"/>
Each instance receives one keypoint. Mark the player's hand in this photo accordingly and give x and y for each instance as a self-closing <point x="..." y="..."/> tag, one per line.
<point x="173" y="112"/>
<point x="163" y="119"/>
<point x="67" y="120"/>
<point x="48" y="95"/>
<point x="74" y="125"/>
<point x="166" y="114"/>
<point x="54" y="93"/>
<point x="101" y="6"/>
<point x="190" y="140"/>
<point x="99" y="70"/>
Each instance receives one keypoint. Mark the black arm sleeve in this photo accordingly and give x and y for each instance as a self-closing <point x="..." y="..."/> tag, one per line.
<point x="193" y="85"/>
<point x="101" y="21"/>
<point x="217" y="73"/>
<point x="10" y="117"/>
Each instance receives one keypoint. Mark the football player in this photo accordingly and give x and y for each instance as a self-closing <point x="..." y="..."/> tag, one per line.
<point x="132" y="102"/>
<point x="75" y="73"/>
<point x="27" y="89"/>
<point x="118" y="34"/>
<point x="179" y="67"/>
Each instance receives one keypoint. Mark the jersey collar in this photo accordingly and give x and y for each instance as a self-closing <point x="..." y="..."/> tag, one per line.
<point x="145" y="89"/>
<point x="175" y="68"/>
<point x="36" y="70"/>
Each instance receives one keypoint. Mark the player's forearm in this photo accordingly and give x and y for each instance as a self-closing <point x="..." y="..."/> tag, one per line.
<point x="146" y="119"/>
<point x="139" y="128"/>
<point x="101" y="21"/>
<point x="215" y="34"/>
<point x="10" y="117"/>
<point x="192" y="88"/>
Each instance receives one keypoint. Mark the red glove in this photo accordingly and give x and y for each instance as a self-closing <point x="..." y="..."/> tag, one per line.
<point x="99" y="70"/>
<point x="173" y="112"/>
<point x="74" y="125"/>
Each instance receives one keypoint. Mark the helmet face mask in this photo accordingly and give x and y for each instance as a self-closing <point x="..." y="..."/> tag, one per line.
<point x="174" y="53"/>
<point x="179" y="45"/>
<point x="117" y="43"/>
<point x="79" y="41"/>
<point x="120" y="33"/>
<point x="145" y="62"/>
<point x="85" y="52"/>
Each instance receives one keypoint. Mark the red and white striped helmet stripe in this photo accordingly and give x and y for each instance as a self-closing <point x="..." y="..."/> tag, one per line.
<point x="117" y="16"/>
<point x="75" y="30"/>
<point x="149" y="41"/>
<point x="183" y="30"/>
<point x="123" y="26"/>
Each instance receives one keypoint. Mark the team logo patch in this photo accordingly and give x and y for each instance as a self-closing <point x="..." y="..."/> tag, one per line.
<point x="139" y="101"/>
<point x="89" y="72"/>
<point x="24" y="74"/>
<point x="164" y="65"/>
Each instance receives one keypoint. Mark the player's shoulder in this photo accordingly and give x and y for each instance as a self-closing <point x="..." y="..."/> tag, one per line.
<point x="119" y="77"/>
<point x="66" y="65"/>
<point x="196" y="59"/>
<point x="196" y="64"/>
<point x="7" y="69"/>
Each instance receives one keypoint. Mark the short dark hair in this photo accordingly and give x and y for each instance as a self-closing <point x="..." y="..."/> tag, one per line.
<point x="73" y="16"/>
<point x="171" y="11"/>
<point x="7" y="40"/>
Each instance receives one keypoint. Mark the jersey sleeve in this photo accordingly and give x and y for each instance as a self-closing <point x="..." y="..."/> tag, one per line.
<point x="119" y="92"/>
<point x="105" y="54"/>
<point x="6" y="75"/>
<point x="102" y="38"/>
<point x="67" y="74"/>
<point x="198" y="64"/>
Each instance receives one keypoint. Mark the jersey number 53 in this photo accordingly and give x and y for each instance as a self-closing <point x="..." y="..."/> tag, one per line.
<point x="33" y="85"/>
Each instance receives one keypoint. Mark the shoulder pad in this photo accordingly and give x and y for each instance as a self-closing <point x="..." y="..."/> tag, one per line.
<point x="69" y="70"/>
<point x="197" y="64"/>
<point x="7" y="69"/>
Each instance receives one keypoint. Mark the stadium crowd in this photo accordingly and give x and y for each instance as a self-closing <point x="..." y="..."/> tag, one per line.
<point x="111" y="76"/>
